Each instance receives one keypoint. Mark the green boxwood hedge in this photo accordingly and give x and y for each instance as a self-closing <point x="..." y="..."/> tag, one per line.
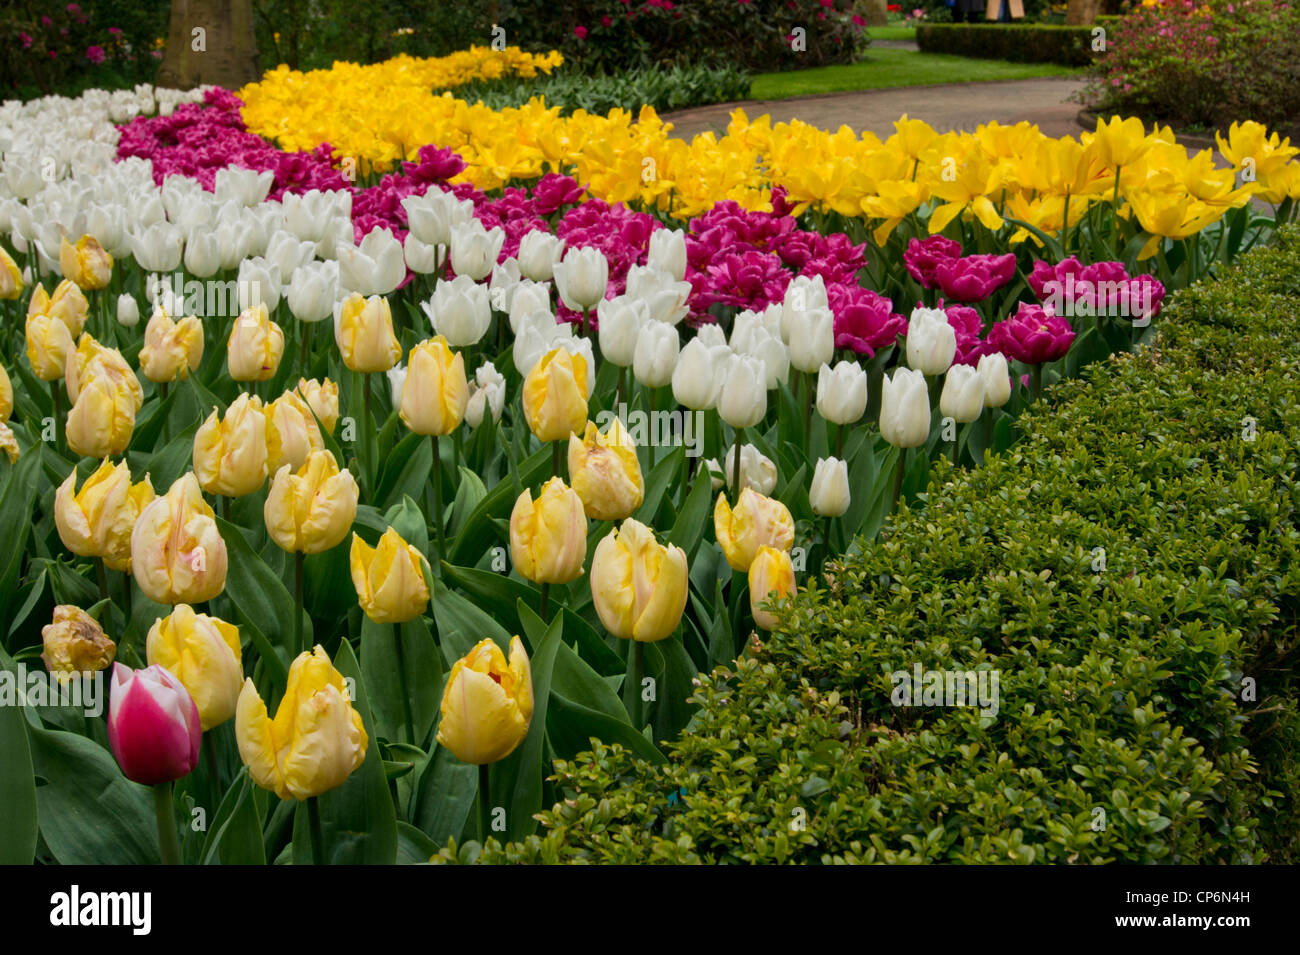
<point x="1130" y="569"/>
<point x="1017" y="42"/>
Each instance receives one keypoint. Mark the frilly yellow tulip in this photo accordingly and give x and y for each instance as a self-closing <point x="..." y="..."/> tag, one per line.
<point x="86" y="263"/>
<point x="313" y="509"/>
<point x="48" y="345"/>
<point x="92" y="360"/>
<point x="203" y="653"/>
<point x="315" y="742"/>
<point x="67" y="304"/>
<point x="605" y="472"/>
<point x="548" y="537"/>
<point x="255" y="346"/>
<point x="102" y="419"/>
<point x="756" y="521"/>
<point x="171" y="349"/>
<point x="8" y="443"/>
<point x="364" y="333"/>
<point x="6" y="396"/>
<point x="323" y="399"/>
<point x="487" y="704"/>
<point x="389" y="579"/>
<point x="11" y="278"/>
<point x="771" y="576"/>
<point x="291" y="432"/>
<point x="637" y="584"/>
<point x="177" y="553"/>
<point x="230" y="452"/>
<point x="555" y="395"/>
<point x="74" y="643"/>
<point x="1120" y="142"/>
<point x="435" y="393"/>
<point x="97" y="520"/>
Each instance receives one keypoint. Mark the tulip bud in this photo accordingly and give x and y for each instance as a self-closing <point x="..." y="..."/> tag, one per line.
<point x="86" y="263"/>
<point x="528" y="299"/>
<point x="668" y="252"/>
<point x="621" y="320"/>
<point x="291" y="432"/>
<point x="539" y="251"/>
<point x="829" y="494"/>
<point x="203" y="653"/>
<point x="230" y="453"/>
<point x="657" y="347"/>
<point x="313" y="287"/>
<point x="962" y="398"/>
<point x="771" y="577"/>
<point x="74" y="644"/>
<point x="11" y="280"/>
<point x="698" y="377"/>
<point x="996" y="376"/>
<point x="48" y="345"/>
<point x="323" y="399"/>
<point x="638" y="585"/>
<point x="312" y="509"/>
<point x="931" y="341"/>
<point x="363" y="329"/>
<point x="842" y="392"/>
<point x="812" y="343"/>
<point x="756" y="521"/>
<point x="389" y="579"/>
<point x="259" y="283"/>
<point x="474" y="249"/>
<point x="768" y="348"/>
<point x="487" y="394"/>
<point x="435" y="393"/>
<point x="128" y="311"/>
<point x="202" y="256"/>
<point x="102" y="419"/>
<point x="582" y="277"/>
<point x="742" y="402"/>
<point x="68" y="305"/>
<point x="317" y="739"/>
<point x="97" y="520"/>
<point x="255" y="347"/>
<point x="177" y="554"/>
<point x="555" y="395"/>
<point x="153" y="725"/>
<point x="487" y="705"/>
<point x="605" y="472"/>
<point x="548" y="537"/>
<point x="905" y="409"/>
<point x="171" y="349"/>
<point x="757" y="470"/>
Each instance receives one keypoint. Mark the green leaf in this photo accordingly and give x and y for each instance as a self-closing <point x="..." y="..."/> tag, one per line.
<point x="16" y="508"/>
<point x="261" y="602"/>
<point x="477" y="535"/>
<point x="18" y="820"/>
<point x="235" y="835"/>
<point x="407" y="519"/>
<point x="424" y="676"/>
<point x="445" y="796"/>
<point x="413" y="846"/>
<point x="469" y="495"/>
<point x="688" y="529"/>
<point x="173" y="460"/>
<point x="406" y="470"/>
<point x="571" y="727"/>
<point x="656" y="486"/>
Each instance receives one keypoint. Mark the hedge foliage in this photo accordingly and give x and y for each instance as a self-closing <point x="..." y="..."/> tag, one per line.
<point x="1126" y="676"/>
<point x="1016" y="42"/>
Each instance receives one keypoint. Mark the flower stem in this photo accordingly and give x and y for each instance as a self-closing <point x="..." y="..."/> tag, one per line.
<point x="401" y="679"/>
<point x="898" y="478"/>
<point x="299" y="559"/>
<point x="435" y="476"/>
<point x="317" y="838"/>
<point x="632" y="695"/>
<point x="484" y="803"/>
<point x="735" y="465"/>
<point x="546" y="601"/>
<point x="555" y="459"/>
<point x="165" y="815"/>
<point x="1036" y="380"/>
<point x="103" y="578"/>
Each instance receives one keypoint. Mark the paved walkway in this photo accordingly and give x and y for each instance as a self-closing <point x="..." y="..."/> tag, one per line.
<point x="961" y="106"/>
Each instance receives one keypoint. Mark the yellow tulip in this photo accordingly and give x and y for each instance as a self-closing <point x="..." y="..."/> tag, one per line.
<point x="177" y="553"/>
<point x="97" y="520"/>
<point x="435" y="393"/>
<point x="171" y="349"/>
<point x="6" y="396"/>
<point x="67" y="304"/>
<point x="8" y="443"/>
<point x="311" y="510"/>
<point x="323" y="399"/>
<point x="11" y="278"/>
<point x="203" y="653"/>
<point x="86" y="263"/>
<point x="389" y="579"/>
<point x="1249" y="146"/>
<point x="255" y="346"/>
<point x="1120" y="142"/>
<point x="230" y="452"/>
<point x="315" y="742"/>
<point x="771" y="576"/>
<point x="757" y="521"/>
<point x="555" y="395"/>
<point x="487" y="704"/>
<point x="637" y="584"/>
<point x="364" y="333"/>
<point x="75" y="644"/>
<point x="1170" y="215"/>
<point x="291" y="432"/>
<point x="48" y="345"/>
<point x="548" y="537"/>
<point x="102" y="419"/>
<point x="92" y="360"/>
<point x="605" y="472"/>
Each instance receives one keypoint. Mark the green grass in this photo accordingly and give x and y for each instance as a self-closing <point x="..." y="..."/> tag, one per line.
<point x="884" y="69"/>
<point x="892" y="33"/>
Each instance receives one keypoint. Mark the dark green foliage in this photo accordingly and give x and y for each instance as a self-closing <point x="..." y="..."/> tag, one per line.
<point x="1016" y="42"/>
<point x="1126" y="677"/>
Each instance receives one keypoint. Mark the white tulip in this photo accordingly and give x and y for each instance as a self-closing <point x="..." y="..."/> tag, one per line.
<point x="665" y="297"/>
<point x="430" y="217"/>
<point x="288" y="251"/>
<point x="158" y="247"/>
<point x="829" y="494"/>
<point x="459" y="311"/>
<point x="931" y="341"/>
<point x="620" y="321"/>
<point x="997" y="379"/>
<point x="698" y="377"/>
<point x="668" y="252"/>
<point x="813" y="342"/>
<point x="107" y="223"/>
<point x="259" y="283"/>
<point x="582" y="278"/>
<point x="771" y="351"/>
<point x="245" y="186"/>
<point x="712" y="335"/>
<point x="474" y="249"/>
<point x="375" y="267"/>
<point x="501" y="286"/>
<point x="742" y="402"/>
<point x="313" y="290"/>
<point x="905" y="409"/>
<point x="128" y="310"/>
<point x="535" y="335"/>
<point x="757" y="471"/>
<point x="529" y="298"/>
<point x="539" y="251"/>
<point x="487" y="393"/>
<point x="842" y="392"/>
<point x="396" y="382"/>
<point x="202" y="254"/>
<point x="802" y="295"/>
<point x="421" y="257"/>
<point x="657" y="346"/>
<point x="962" y="398"/>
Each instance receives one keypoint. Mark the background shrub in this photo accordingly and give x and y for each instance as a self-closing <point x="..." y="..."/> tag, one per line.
<point x="1149" y="686"/>
<point x="1017" y="42"/>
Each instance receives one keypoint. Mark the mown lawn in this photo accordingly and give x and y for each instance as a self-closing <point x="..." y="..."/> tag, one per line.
<point x="885" y="68"/>
<point x="892" y="33"/>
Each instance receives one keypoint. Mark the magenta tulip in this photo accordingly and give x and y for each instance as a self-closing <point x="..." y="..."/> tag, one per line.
<point x="153" y="725"/>
<point x="975" y="277"/>
<point x="923" y="256"/>
<point x="1033" y="335"/>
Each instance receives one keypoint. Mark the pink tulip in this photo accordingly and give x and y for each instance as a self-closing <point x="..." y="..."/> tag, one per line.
<point x="923" y="256"/>
<point x="153" y="725"/>
<point x="975" y="277"/>
<point x="1033" y="335"/>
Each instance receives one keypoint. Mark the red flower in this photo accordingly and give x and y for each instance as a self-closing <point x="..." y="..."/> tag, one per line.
<point x="606" y="21"/>
<point x="580" y="32"/>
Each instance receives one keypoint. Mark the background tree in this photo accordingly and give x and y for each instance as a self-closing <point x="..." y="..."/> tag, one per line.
<point x="210" y="41"/>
